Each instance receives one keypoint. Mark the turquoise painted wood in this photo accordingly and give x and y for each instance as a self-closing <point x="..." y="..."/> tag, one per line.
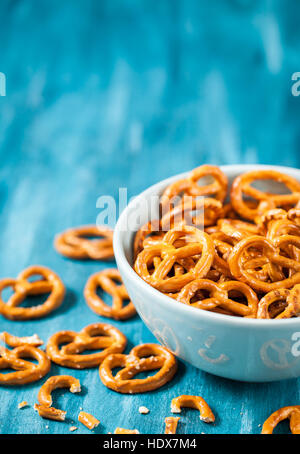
<point x="108" y="94"/>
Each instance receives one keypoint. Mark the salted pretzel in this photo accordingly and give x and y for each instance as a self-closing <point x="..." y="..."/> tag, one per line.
<point x="23" y="287"/>
<point x="289" y="307"/>
<point x="292" y="413"/>
<point x="242" y="186"/>
<point x="76" y="243"/>
<point x="196" y="402"/>
<point x="106" y="280"/>
<point x="219" y="296"/>
<point x="44" y="408"/>
<point x="150" y="228"/>
<point x="15" y="341"/>
<point x="141" y="358"/>
<point x="203" y="247"/>
<point x="24" y="371"/>
<point x="208" y="209"/>
<point x="237" y="229"/>
<point x="190" y="186"/>
<point x="98" y="336"/>
<point x="171" y="423"/>
<point x="294" y="214"/>
<point x="240" y="266"/>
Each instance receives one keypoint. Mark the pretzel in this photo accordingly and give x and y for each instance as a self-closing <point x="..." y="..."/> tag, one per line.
<point x="44" y="408"/>
<point x="106" y="280"/>
<point x="121" y="431"/>
<point x="288" y="310"/>
<point x="268" y="216"/>
<point x="202" y="247"/>
<point x="140" y="359"/>
<point x="25" y="371"/>
<point x="294" y="214"/>
<point x="237" y="229"/>
<point x="14" y="341"/>
<point x="271" y="255"/>
<point x="171" y="423"/>
<point x="190" y="186"/>
<point x="196" y="402"/>
<point x="88" y="420"/>
<point x="292" y="413"/>
<point x="22" y="287"/>
<point x="150" y="228"/>
<point x="98" y="336"/>
<point x="210" y="210"/>
<point x="74" y="243"/>
<point x="242" y="185"/>
<point x="219" y="296"/>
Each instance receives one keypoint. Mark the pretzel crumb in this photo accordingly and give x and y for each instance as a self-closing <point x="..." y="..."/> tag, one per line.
<point x="175" y="408"/>
<point x="23" y="404"/>
<point x="88" y="420"/>
<point x="143" y="410"/>
<point x="73" y="428"/>
<point x="171" y="423"/>
<point x="121" y="431"/>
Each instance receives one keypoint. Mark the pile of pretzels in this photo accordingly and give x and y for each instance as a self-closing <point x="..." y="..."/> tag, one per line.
<point x="236" y="255"/>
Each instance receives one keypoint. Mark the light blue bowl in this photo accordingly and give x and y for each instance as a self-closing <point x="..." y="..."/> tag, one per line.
<point x="231" y="347"/>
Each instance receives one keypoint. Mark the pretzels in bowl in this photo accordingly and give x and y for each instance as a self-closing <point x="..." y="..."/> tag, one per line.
<point x="242" y="260"/>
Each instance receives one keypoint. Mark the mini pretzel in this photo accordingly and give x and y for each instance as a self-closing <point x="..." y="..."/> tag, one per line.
<point x="236" y="229"/>
<point x="294" y="214"/>
<point x="121" y="431"/>
<point x="190" y="186"/>
<point x="290" y="309"/>
<point x="210" y="210"/>
<point x="14" y="341"/>
<point x="74" y="243"/>
<point x="141" y="358"/>
<point x="150" y="228"/>
<point x="203" y="248"/>
<point x="292" y="413"/>
<point x="171" y="423"/>
<point x="242" y="185"/>
<point x="98" y="336"/>
<point x="25" y="371"/>
<point x="50" y="283"/>
<point x="196" y="402"/>
<point x="271" y="255"/>
<point x="105" y="279"/>
<point x="219" y="296"/>
<point x="44" y="407"/>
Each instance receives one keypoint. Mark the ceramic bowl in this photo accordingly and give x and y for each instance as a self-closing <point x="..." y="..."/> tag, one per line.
<point x="232" y="347"/>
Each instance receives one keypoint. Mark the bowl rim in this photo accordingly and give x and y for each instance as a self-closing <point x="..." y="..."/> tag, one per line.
<point x="165" y="300"/>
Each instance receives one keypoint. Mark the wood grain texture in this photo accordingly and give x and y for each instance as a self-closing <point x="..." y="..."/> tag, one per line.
<point x="107" y="94"/>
